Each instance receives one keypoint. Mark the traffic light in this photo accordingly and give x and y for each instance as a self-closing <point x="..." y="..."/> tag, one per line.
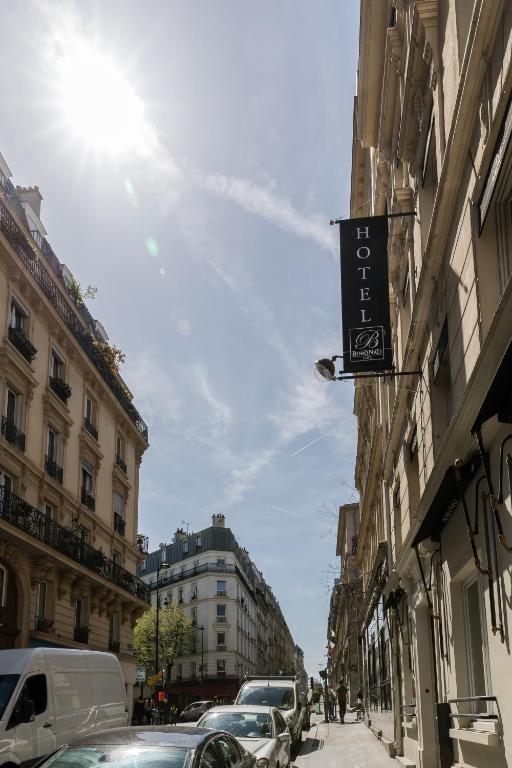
<point x="311" y="683"/>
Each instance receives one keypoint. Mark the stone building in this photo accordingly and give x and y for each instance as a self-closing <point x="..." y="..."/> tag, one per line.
<point x="239" y="626"/>
<point x="432" y="126"/>
<point x="71" y="442"/>
<point x="346" y="608"/>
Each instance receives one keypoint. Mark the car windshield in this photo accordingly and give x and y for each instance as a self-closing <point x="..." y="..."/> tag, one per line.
<point x="7" y="686"/>
<point x="244" y="725"/>
<point x="268" y="695"/>
<point x="119" y="756"/>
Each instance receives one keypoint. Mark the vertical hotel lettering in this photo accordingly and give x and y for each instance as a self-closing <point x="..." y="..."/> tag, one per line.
<point x="365" y="294"/>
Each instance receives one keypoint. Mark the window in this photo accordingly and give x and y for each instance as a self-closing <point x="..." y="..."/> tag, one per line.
<point x="91" y="416"/>
<point x="199" y="542"/>
<point x="221" y="638"/>
<point x="476" y="640"/>
<point x="120" y="446"/>
<point x="48" y="511"/>
<point x="41" y="591"/>
<point x="221" y="613"/>
<point x="3" y="592"/>
<point x="116" y="558"/>
<point x="221" y="561"/>
<point x="196" y="566"/>
<point x="57" y="366"/>
<point x="53" y="460"/>
<point x="81" y="634"/>
<point x="194" y="592"/>
<point x="180" y="595"/>
<point x="210" y="757"/>
<point x="229" y="752"/>
<point x="221" y="667"/>
<point x="19" y="316"/>
<point x="118" y="503"/>
<point x="185" y="548"/>
<point x="221" y="587"/>
<point x="12" y="407"/>
<point x="280" y="723"/>
<point x="114" y="633"/>
<point x="441" y="391"/>
<point x="194" y="616"/>
<point x="87" y="476"/>
<point x="34" y="690"/>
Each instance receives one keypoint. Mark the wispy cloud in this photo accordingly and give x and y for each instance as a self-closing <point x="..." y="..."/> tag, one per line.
<point x="263" y="202"/>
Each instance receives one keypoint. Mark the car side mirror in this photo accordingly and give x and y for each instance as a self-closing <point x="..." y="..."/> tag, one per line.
<point x="284" y="737"/>
<point x="27" y="711"/>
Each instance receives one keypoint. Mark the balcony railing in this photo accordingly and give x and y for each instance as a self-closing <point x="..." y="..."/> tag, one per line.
<point x="90" y="428"/>
<point x="121" y="464"/>
<point x="43" y="624"/>
<point x="60" y="388"/>
<point x="81" y="635"/>
<point x="186" y="573"/>
<point x="53" y="469"/>
<point x="33" y="522"/>
<point x="119" y="524"/>
<point x="18" y="338"/>
<point x="12" y="434"/>
<point x="87" y="499"/>
<point x="22" y="245"/>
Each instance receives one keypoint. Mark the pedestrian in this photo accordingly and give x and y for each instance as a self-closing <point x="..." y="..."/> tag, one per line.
<point x="341" y="694"/>
<point x="138" y="711"/>
<point x="359" y="705"/>
<point x="332" y="704"/>
<point x="148" y="710"/>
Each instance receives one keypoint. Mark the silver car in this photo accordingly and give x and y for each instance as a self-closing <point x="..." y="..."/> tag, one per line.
<point x="260" y="730"/>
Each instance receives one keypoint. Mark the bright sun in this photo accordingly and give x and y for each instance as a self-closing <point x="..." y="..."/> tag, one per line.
<point x="99" y="105"/>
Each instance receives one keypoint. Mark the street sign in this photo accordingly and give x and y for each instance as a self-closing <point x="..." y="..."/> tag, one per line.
<point x="140" y="675"/>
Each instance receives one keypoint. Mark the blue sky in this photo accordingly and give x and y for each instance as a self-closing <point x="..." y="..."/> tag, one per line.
<point x="206" y="234"/>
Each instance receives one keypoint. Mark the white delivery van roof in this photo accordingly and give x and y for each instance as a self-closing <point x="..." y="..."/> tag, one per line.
<point x="15" y="660"/>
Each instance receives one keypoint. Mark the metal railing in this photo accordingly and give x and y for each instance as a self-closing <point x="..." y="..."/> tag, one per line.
<point x="90" y="427"/>
<point x="87" y="499"/>
<point x="18" y="338"/>
<point x="474" y="700"/>
<point x="30" y="520"/>
<point x="53" y="469"/>
<point x="22" y="245"/>
<point x="12" y="434"/>
<point x="119" y="524"/>
<point x="60" y="387"/>
<point x="186" y="573"/>
<point x="121" y="463"/>
<point x="42" y="624"/>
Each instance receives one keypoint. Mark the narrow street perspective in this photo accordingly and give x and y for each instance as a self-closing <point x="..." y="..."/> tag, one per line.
<point x="255" y="384"/>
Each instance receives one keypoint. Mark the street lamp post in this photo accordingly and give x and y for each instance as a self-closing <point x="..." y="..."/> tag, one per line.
<point x="201" y="629"/>
<point x="161" y="565"/>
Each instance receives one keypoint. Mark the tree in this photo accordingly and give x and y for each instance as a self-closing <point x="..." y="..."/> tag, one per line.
<point x="175" y="633"/>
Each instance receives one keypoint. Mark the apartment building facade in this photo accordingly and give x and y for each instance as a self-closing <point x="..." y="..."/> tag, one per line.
<point x="238" y="625"/>
<point x="346" y="607"/>
<point x="71" y="442"/>
<point x="432" y="126"/>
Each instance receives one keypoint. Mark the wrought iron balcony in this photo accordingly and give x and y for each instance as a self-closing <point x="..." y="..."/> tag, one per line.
<point x="34" y="523"/>
<point x="12" y="434"/>
<point x="43" y="624"/>
<point x="114" y="646"/>
<point x="142" y="543"/>
<point x="87" y="499"/>
<point x="53" y="469"/>
<point x="121" y="464"/>
<point x="81" y="635"/>
<point x="22" y="244"/>
<point x="18" y="338"/>
<point x="90" y="428"/>
<point x="119" y="524"/>
<point x="60" y="388"/>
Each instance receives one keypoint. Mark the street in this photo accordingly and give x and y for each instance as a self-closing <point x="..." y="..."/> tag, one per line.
<point x="333" y="744"/>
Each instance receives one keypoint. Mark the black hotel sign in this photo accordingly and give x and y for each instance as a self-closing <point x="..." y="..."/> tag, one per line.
<point x="365" y="295"/>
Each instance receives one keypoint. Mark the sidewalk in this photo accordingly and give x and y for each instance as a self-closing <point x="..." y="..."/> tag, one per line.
<point x="352" y="745"/>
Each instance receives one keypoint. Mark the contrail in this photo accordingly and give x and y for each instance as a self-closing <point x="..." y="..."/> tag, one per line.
<point x="320" y="437"/>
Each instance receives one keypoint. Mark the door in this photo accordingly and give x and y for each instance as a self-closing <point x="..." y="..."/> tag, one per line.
<point x="36" y="738"/>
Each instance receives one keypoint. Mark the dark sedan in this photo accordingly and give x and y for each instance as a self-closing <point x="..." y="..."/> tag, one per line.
<point x="153" y="747"/>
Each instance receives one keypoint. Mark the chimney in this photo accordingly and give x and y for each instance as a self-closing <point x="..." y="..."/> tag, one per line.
<point x="31" y="196"/>
<point x="180" y="535"/>
<point x="218" y="521"/>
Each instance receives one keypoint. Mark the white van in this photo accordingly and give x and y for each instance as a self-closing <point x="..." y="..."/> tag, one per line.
<point x="282" y="692"/>
<point x="49" y="696"/>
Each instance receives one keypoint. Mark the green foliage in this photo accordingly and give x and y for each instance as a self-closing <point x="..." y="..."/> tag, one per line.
<point x="78" y="294"/>
<point x="175" y="632"/>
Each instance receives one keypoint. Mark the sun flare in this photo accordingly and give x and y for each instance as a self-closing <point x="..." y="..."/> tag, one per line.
<point x="99" y="105"/>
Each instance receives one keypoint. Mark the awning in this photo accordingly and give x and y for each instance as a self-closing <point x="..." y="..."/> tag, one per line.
<point x="499" y="397"/>
<point x="446" y="500"/>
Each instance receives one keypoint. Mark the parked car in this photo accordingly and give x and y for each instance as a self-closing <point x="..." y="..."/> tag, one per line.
<point x="153" y="747"/>
<point x="49" y="696"/>
<point x="261" y="730"/>
<point x="194" y="711"/>
<point x="281" y="692"/>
